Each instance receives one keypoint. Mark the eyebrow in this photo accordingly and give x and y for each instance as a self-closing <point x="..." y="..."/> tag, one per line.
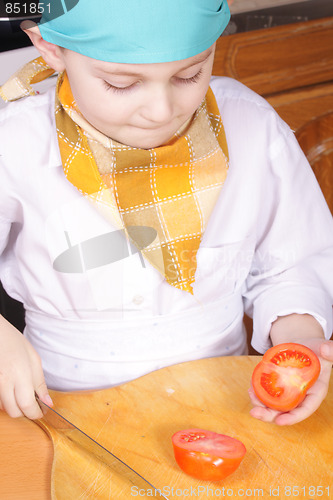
<point x="200" y="58"/>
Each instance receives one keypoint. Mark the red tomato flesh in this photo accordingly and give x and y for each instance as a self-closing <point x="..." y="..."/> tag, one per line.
<point x="207" y="455"/>
<point x="284" y="375"/>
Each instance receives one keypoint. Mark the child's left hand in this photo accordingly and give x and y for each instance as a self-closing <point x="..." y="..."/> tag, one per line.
<point x="315" y="395"/>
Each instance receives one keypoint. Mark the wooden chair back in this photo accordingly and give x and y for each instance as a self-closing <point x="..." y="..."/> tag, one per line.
<point x="316" y="139"/>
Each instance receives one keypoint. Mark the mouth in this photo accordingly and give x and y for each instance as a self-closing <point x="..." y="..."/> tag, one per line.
<point x="158" y="127"/>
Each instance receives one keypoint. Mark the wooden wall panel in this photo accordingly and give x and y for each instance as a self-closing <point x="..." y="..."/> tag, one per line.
<point x="278" y="59"/>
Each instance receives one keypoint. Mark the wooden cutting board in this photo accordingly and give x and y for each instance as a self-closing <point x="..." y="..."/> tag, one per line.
<point x="135" y="421"/>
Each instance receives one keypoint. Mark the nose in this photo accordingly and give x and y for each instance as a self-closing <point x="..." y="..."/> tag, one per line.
<point x="158" y="107"/>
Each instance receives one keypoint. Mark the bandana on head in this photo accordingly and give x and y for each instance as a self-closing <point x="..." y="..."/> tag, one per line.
<point x="135" y="31"/>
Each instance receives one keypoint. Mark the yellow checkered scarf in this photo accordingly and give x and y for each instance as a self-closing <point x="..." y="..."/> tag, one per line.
<point x="171" y="189"/>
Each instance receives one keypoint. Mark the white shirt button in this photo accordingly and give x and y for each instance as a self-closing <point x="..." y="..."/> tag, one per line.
<point x="138" y="299"/>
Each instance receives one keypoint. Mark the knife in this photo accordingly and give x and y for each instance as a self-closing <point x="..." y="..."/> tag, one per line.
<point x="79" y="438"/>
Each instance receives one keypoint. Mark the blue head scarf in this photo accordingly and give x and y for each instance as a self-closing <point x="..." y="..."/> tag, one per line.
<point x="135" y="31"/>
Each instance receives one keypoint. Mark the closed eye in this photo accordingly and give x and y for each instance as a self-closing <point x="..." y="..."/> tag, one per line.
<point x="118" y="90"/>
<point x="182" y="81"/>
<point x="193" y="79"/>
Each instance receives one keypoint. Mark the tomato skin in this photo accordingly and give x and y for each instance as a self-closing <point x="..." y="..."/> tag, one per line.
<point x="284" y="375"/>
<point x="207" y="455"/>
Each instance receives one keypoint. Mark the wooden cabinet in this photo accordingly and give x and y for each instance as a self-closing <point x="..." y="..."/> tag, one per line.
<point x="291" y="66"/>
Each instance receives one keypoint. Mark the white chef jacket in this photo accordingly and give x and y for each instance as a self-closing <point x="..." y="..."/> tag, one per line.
<point x="267" y="249"/>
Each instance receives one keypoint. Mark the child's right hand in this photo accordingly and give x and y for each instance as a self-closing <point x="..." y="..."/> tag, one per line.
<point x="21" y="374"/>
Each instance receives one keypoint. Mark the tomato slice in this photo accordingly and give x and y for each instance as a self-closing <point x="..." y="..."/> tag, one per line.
<point x="284" y="375"/>
<point x="207" y="455"/>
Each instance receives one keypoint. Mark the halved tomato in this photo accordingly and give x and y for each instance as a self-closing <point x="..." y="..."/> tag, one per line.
<point x="207" y="455"/>
<point x="284" y="375"/>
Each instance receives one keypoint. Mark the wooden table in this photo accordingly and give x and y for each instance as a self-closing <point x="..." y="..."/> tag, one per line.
<point x="26" y="455"/>
<point x="136" y="422"/>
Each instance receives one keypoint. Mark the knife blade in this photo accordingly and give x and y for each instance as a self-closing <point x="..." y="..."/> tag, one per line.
<point x="117" y="466"/>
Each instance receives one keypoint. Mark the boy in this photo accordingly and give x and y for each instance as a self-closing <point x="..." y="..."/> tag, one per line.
<point x="219" y="206"/>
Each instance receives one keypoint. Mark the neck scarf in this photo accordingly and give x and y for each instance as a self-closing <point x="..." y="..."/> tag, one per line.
<point x="161" y="197"/>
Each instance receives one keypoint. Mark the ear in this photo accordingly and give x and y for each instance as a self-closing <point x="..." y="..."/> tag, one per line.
<point x="51" y="53"/>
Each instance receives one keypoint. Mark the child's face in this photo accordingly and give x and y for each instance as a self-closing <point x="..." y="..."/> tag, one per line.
<point x="140" y="105"/>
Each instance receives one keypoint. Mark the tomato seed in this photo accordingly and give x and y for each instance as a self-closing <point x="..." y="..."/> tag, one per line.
<point x="291" y="357"/>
